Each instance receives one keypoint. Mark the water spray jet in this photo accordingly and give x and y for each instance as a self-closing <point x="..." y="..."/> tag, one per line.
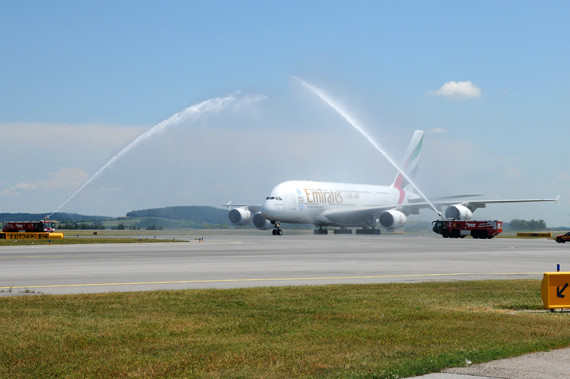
<point x="192" y="112"/>
<point x="344" y="114"/>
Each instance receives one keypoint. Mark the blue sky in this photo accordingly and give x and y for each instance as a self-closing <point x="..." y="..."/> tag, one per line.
<point x="489" y="82"/>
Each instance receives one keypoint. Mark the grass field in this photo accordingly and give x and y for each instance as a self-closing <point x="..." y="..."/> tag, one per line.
<point x="78" y="240"/>
<point x="72" y="237"/>
<point x="132" y="236"/>
<point x="384" y="330"/>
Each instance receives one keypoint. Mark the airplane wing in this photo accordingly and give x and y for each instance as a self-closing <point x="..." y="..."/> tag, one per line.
<point x="463" y="209"/>
<point x="366" y="216"/>
<point x="353" y="217"/>
<point x="476" y="204"/>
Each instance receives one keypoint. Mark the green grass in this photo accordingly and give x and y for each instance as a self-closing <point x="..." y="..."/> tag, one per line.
<point x="79" y="240"/>
<point x="384" y="330"/>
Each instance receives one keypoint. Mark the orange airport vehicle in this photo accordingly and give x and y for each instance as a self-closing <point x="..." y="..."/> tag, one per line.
<point x="43" y="229"/>
<point x="459" y="229"/>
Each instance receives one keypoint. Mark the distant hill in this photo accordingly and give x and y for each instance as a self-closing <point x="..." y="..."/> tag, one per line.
<point x="169" y="217"/>
<point x="209" y="215"/>
<point x="56" y="216"/>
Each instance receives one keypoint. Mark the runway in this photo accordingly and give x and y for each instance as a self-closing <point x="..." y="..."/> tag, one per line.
<point x="248" y="259"/>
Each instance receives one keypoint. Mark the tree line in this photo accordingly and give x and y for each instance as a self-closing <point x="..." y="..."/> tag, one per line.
<point x="517" y="224"/>
<point x="72" y="225"/>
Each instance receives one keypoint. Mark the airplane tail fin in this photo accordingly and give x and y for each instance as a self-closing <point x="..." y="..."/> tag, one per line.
<point x="410" y="163"/>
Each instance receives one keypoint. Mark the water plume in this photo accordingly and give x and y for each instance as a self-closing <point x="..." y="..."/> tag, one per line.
<point x="191" y="113"/>
<point x="344" y="114"/>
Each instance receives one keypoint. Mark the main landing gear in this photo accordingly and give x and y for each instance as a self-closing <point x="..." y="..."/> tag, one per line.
<point x="320" y="231"/>
<point x="372" y="231"/>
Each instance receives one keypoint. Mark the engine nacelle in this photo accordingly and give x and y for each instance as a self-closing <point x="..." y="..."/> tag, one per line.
<point x="393" y="219"/>
<point x="458" y="212"/>
<point x="261" y="222"/>
<point x="239" y="216"/>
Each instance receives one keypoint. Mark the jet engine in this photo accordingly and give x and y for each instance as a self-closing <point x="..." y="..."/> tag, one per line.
<point x="458" y="212"/>
<point x="239" y="216"/>
<point x="261" y="222"/>
<point x="392" y="219"/>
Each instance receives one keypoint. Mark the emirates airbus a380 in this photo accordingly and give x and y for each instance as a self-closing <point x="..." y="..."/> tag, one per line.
<point x="345" y="205"/>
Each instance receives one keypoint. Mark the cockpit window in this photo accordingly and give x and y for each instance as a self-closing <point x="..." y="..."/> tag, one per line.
<point x="273" y="198"/>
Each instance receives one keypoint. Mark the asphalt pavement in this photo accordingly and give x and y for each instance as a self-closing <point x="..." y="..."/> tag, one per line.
<point x="545" y="365"/>
<point x="253" y="259"/>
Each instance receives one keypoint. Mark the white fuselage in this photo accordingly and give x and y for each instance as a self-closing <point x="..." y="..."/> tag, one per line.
<point x="306" y="202"/>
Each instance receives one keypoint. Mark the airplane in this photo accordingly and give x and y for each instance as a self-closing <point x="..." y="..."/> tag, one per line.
<point x="346" y="205"/>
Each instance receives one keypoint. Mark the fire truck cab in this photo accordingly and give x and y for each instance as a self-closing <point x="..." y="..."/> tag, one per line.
<point x="29" y="227"/>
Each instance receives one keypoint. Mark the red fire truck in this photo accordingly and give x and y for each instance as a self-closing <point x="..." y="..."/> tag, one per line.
<point x="459" y="229"/>
<point x="29" y="226"/>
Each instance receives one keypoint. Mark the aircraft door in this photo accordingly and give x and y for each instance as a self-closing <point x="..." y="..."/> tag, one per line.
<point x="293" y="203"/>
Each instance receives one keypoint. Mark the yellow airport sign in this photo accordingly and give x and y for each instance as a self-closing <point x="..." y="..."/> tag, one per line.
<point x="554" y="290"/>
<point x="31" y="236"/>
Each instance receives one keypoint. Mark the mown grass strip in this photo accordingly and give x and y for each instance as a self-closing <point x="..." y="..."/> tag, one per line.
<point x="80" y="241"/>
<point x="383" y="330"/>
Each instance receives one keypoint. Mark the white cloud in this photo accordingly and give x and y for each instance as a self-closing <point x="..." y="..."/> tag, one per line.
<point x="57" y="136"/>
<point x="513" y="172"/>
<point x="9" y="192"/>
<point x="459" y="90"/>
<point x="25" y="186"/>
<point x="437" y="130"/>
<point x="65" y="179"/>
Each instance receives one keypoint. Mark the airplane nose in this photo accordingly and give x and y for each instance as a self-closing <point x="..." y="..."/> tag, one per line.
<point x="272" y="208"/>
<point x="266" y="209"/>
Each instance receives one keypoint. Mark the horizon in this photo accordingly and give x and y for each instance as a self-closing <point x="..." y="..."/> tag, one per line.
<point x="411" y="224"/>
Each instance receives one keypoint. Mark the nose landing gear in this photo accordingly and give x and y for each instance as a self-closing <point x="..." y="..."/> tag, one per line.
<point x="277" y="230"/>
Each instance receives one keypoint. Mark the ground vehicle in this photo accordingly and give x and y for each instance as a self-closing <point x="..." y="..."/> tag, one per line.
<point x="28" y="226"/>
<point x="459" y="229"/>
<point x="563" y="238"/>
